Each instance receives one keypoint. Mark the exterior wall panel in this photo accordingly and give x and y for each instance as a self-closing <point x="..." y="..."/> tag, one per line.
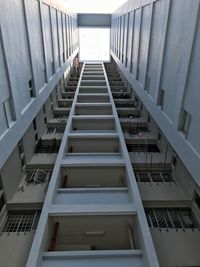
<point x="168" y="60"/>
<point x="31" y="49"/>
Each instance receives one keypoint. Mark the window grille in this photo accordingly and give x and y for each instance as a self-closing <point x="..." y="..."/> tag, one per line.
<point x="37" y="176"/>
<point x="154" y="176"/>
<point x="21" y="221"/>
<point x="171" y="218"/>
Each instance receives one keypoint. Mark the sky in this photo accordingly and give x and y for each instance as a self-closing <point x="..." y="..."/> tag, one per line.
<point x="91" y="46"/>
<point x="94" y="6"/>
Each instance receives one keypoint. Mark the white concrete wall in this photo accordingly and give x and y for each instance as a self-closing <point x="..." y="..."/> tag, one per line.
<point x="11" y="174"/>
<point x="177" y="248"/>
<point x="35" y="46"/>
<point x="19" y="244"/>
<point x="163" y="54"/>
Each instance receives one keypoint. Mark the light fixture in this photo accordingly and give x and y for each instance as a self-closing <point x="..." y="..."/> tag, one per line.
<point x="94" y="233"/>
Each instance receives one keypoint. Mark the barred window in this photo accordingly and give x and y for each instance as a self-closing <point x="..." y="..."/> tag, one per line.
<point x="171" y="218"/>
<point x="154" y="176"/>
<point x="21" y="221"/>
<point x="37" y="176"/>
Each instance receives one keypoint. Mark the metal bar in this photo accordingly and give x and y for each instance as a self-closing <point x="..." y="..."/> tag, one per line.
<point x="54" y="237"/>
<point x="130" y="237"/>
<point x="65" y="181"/>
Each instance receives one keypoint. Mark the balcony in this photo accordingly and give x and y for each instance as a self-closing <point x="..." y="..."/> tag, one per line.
<point x="93" y="98"/>
<point x="47" y="146"/>
<point x="93" y="89"/>
<point x="33" y="187"/>
<point x="57" y="122"/>
<point x="93" y="82"/>
<point x="125" y="103"/>
<point x="92" y="241"/>
<point x="93" y="233"/>
<point x="159" y="184"/>
<point x="176" y="236"/>
<point x="93" y="109"/>
<point x="53" y="133"/>
<point x="17" y="233"/>
<point x="91" y="124"/>
<point x="88" y="76"/>
<point x="143" y="148"/>
<point x="128" y="112"/>
<point x="69" y="95"/>
<point x="64" y="102"/>
<point x="59" y="111"/>
<point x="104" y="185"/>
<point x="93" y="177"/>
<point x="93" y="145"/>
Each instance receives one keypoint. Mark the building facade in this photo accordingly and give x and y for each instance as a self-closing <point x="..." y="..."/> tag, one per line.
<point x="100" y="165"/>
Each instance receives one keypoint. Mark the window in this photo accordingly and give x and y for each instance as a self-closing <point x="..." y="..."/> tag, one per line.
<point x="154" y="176"/>
<point x="131" y="66"/>
<point x="34" y="125"/>
<point x="185" y="122"/>
<point x="30" y="85"/>
<point x="174" y="161"/>
<point x="21" y="221"/>
<point x="51" y="99"/>
<point x="8" y="111"/>
<point x="159" y="136"/>
<point x="161" y="98"/>
<point x="35" y="130"/>
<point x="44" y="112"/>
<point x="2" y="201"/>
<point x="147" y="87"/>
<point x="53" y="67"/>
<point x="22" y="155"/>
<point x="197" y="199"/>
<point x="138" y="71"/>
<point x="136" y="102"/>
<point x="37" y="176"/>
<point x="178" y="218"/>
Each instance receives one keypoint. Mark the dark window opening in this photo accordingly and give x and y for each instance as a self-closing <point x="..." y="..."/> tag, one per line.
<point x="30" y="85"/>
<point x="147" y="87"/>
<point x="150" y="148"/>
<point x="2" y="202"/>
<point x="178" y="218"/>
<point x="197" y="199"/>
<point x="34" y="125"/>
<point x="174" y="161"/>
<point x="161" y="98"/>
<point x="185" y="122"/>
<point x="159" y="136"/>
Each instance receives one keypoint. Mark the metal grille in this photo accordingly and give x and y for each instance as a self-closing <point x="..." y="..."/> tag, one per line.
<point x="171" y="218"/>
<point x="154" y="176"/>
<point x="21" y="221"/>
<point x="38" y="176"/>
